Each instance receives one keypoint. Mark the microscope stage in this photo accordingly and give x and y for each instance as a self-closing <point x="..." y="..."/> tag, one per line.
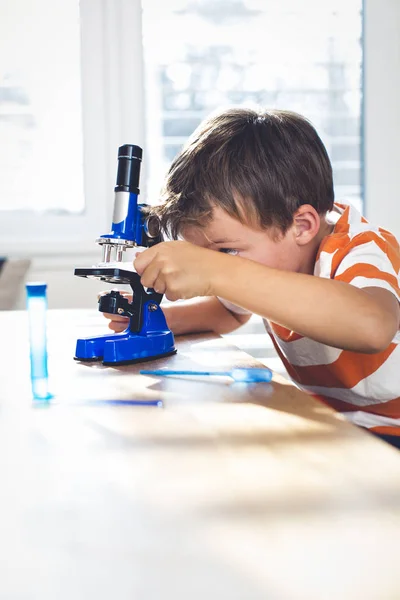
<point x="108" y="274"/>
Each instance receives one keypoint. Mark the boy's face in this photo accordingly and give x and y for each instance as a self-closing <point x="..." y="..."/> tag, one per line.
<point x="226" y="234"/>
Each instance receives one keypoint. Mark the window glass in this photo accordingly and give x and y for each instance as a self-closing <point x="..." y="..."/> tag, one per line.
<point x="302" y="56"/>
<point x="40" y="106"/>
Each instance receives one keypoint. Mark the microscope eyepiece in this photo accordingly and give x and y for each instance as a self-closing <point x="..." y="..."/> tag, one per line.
<point x="129" y="159"/>
<point x="130" y="151"/>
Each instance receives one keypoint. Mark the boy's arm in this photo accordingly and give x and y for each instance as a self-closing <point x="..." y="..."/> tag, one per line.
<point x="202" y="314"/>
<point x="192" y="316"/>
<point x="328" y="311"/>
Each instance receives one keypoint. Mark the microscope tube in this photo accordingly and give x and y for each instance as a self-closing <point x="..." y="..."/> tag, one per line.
<point x="119" y="252"/>
<point x="106" y="253"/>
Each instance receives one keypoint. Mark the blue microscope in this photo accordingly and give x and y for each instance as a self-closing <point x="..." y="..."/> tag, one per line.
<point x="147" y="336"/>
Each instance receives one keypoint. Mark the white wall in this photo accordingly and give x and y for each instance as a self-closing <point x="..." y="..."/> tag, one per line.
<point x="382" y="112"/>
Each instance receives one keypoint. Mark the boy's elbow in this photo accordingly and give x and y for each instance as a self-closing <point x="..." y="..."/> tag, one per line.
<point x="231" y="323"/>
<point x="379" y="334"/>
<point x="375" y="345"/>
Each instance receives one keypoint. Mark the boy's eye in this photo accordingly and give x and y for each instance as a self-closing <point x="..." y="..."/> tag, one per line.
<point x="231" y="251"/>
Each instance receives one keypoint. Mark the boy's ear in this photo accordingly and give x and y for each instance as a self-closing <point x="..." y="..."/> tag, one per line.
<point x="306" y="224"/>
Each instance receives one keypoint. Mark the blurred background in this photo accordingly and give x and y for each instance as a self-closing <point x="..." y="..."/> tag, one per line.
<point x="78" y="79"/>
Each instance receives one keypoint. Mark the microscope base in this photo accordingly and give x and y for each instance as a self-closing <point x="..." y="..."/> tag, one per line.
<point x="125" y="348"/>
<point x="139" y="360"/>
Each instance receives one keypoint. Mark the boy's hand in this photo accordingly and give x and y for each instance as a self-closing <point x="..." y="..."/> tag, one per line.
<point x="117" y="322"/>
<point x="179" y="270"/>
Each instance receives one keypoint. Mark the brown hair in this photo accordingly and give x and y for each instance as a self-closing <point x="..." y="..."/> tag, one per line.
<point x="257" y="166"/>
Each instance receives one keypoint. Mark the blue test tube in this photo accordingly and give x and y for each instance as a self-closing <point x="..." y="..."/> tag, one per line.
<point x="36" y="302"/>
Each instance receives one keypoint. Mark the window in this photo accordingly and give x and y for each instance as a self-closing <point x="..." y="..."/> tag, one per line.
<point x="53" y="187"/>
<point x="207" y="54"/>
<point x="303" y="56"/>
<point x="40" y="107"/>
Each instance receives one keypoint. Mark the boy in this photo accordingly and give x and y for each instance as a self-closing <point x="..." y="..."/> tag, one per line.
<point x="251" y="196"/>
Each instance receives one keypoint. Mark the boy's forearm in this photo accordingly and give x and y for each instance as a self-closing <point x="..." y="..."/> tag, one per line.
<point x="328" y="311"/>
<point x="201" y="314"/>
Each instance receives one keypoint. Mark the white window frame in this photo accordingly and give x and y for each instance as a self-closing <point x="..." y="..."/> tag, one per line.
<point x="113" y="113"/>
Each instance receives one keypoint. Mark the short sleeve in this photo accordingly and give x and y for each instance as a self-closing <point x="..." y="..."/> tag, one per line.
<point x="374" y="263"/>
<point x="233" y="308"/>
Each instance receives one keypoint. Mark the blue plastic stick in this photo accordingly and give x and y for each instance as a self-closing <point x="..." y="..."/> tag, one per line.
<point x="117" y="402"/>
<point x="36" y="303"/>
<point x="246" y="375"/>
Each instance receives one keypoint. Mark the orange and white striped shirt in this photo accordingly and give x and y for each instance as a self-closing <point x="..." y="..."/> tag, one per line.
<point x="364" y="387"/>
